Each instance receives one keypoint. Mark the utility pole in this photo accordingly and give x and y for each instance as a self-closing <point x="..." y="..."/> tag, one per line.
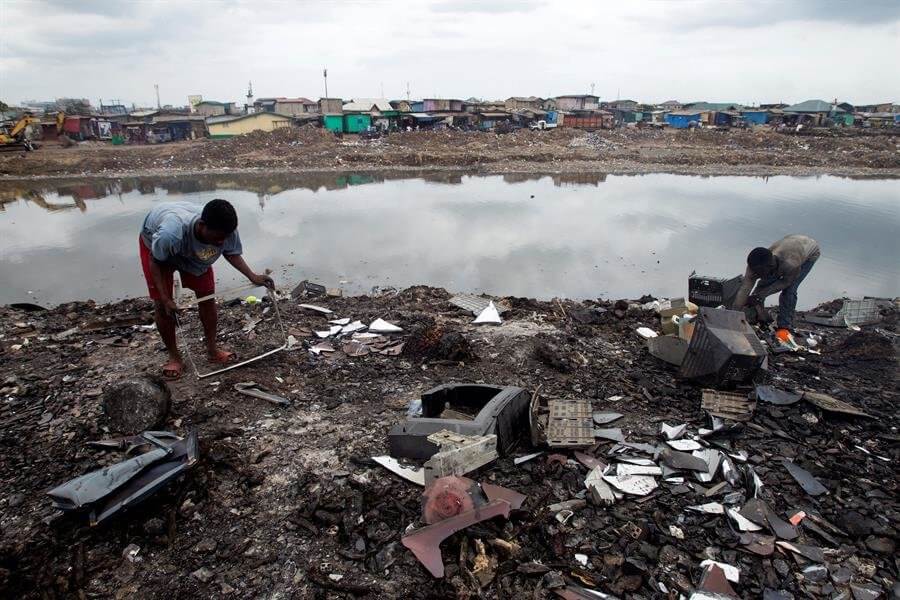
<point x="325" y="76"/>
<point x="407" y="91"/>
<point x="156" y="87"/>
<point x="592" y="89"/>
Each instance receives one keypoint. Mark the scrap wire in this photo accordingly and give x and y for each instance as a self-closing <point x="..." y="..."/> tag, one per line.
<point x="182" y="339"/>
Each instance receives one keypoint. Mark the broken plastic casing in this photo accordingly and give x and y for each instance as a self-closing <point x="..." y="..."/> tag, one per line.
<point x="501" y="409"/>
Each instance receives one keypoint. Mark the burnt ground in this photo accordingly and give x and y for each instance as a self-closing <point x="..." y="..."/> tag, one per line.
<point x="285" y="502"/>
<point x="757" y="151"/>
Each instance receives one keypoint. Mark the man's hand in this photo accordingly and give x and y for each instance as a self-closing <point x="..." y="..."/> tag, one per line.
<point x="170" y="307"/>
<point x="265" y="280"/>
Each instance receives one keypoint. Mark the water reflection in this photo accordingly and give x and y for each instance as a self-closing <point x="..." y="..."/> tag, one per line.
<point x="522" y="234"/>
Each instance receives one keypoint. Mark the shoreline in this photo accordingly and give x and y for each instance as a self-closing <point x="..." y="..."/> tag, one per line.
<point x="572" y="167"/>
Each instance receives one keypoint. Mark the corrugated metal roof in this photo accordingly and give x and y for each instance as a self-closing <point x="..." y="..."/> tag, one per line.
<point x="366" y="104"/>
<point x="228" y="118"/>
<point x="143" y="113"/>
<point x="812" y="106"/>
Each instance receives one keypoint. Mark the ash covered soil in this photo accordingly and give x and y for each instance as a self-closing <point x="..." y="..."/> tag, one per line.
<point x="851" y="152"/>
<point x="286" y="503"/>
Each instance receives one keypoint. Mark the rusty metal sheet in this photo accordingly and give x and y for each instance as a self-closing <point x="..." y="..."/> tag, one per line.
<point x="425" y="542"/>
<point x="497" y="492"/>
<point x="728" y="405"/>
<point x="570" y="424"/>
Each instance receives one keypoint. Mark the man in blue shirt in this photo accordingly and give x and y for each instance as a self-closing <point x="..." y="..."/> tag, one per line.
<point x="178" y="236"/>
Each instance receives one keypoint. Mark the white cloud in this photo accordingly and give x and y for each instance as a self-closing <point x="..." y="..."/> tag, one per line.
<point x="653" y="51"/>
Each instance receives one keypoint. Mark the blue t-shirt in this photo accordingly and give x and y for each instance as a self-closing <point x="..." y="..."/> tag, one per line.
<point x="168" y="232"/>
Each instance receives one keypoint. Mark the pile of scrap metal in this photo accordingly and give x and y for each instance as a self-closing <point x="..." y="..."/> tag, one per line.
<point x="118" y="487"/>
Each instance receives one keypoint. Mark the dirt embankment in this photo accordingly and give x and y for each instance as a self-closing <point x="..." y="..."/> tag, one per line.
<point x="286" y="502"/>
<point x="628" y="150"/>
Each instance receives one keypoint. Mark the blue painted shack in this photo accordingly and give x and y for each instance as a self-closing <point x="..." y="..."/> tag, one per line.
<point x="756" y="117"/>
<point x="682" y="119"/>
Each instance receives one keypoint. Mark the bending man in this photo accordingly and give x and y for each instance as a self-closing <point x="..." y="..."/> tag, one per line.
<point x="177" y="236"/>
<point x="779" y="268"/>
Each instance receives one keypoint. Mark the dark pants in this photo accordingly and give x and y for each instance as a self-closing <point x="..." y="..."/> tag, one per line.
<point x="787" y="301"/>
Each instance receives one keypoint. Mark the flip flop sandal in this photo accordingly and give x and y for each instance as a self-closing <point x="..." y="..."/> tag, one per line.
<point x="224" y="357"/>
<point x="173" y="370"/>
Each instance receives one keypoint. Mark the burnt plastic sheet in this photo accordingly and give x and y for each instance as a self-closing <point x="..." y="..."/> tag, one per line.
<point x="682" y="460"/>
<point x="810" y="484"/>
<point x="185" y="455"/>
<point x="107" y="491"/>
<point x="96" y="485"/>
<point x="772" y="395"/>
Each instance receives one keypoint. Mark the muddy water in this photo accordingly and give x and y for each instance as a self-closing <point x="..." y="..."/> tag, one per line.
<point x="578" y="236"/>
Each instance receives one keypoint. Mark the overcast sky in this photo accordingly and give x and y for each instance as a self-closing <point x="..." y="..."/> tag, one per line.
<point x="747" y="52"/>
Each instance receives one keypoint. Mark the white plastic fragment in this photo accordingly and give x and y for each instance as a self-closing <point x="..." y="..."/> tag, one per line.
<point x="343" y="321"/>
<point x="673" y="432"/>
<point x="334" y="330"/>
<point x="489" y="316"/>
<point x="646" y="333"/>
<point x="684" y="445"/>
<point x="524" y="459"/>
<point x="416" y="476"/>
<point x="581" y="559"/>
<point x="710" y="508"/>
<point x="354" y="326"/>
<point x="637" y="485"/>
<point x="382" y="326"/>
<point x="318" y="309"/>
<point x="742" y="522"/>
<point x="732" y="573"/>
<point x="600" y="492"/>
<point x="676" y="532"/>
<point x="627" y="469"/>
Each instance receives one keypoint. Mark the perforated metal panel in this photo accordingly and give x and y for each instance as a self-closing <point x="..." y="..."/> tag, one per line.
<point x="570" y="423"/>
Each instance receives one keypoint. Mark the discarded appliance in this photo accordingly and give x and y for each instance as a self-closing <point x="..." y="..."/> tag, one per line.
<point x="500" y="410"/>
<point x="120" y="486"/>
<point x="724" y="349"/>
<point x="727" y="405"/>
<point x="459" y="454"/>
<point x="713" y="291"/>
<point x="862" y="311"/>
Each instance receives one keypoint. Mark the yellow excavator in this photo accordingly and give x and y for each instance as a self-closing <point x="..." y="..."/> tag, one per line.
<point x="16" y="139"/>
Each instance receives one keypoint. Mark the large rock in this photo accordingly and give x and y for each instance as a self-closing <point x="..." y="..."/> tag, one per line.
<point x="136" y="405"/>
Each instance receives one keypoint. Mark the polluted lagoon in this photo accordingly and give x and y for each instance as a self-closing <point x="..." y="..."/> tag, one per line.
<point x="541" y="236"/>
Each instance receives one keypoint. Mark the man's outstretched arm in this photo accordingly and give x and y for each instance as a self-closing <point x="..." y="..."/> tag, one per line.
<point x="237" y="261"/>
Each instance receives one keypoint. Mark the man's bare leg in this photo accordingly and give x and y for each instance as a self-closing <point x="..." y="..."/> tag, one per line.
<point x="165" y="324"/>
<point x="209" y="317"/>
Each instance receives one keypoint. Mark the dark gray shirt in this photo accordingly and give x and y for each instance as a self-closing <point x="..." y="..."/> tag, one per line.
<point x="792" y="251"/>
<point x="168" y="232"/>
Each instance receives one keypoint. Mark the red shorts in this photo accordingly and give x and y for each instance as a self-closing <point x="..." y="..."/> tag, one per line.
<point x="203" y="285"/>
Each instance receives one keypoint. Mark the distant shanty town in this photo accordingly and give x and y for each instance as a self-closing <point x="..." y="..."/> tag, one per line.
<point x="78" y="120"/>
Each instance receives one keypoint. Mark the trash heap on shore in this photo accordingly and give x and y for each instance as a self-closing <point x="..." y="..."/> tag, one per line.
<point x="418" y="444"/>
